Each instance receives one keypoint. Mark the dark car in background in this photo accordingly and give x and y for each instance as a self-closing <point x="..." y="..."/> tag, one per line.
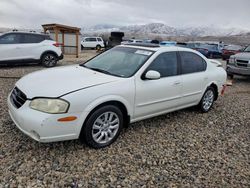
<point x="231" y="50"/>
<point x="209" y="50"/>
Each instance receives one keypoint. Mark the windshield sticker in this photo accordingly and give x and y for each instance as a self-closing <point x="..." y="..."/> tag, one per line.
<point x="143" y="52"/>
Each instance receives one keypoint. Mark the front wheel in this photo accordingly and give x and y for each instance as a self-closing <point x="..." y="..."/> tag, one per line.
<point x="207" y="100"/>
<point x="103" y="127"/>
<point x="230" y="75"/>
<point x="49" y="60"/>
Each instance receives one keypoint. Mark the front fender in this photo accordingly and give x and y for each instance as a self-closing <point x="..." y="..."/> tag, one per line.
<point x="109" y="98"/>
<point x="98" y="102"/>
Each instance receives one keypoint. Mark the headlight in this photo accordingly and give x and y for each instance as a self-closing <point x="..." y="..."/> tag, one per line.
<point x="51" y="106"/>
<point x="231" y="60"/>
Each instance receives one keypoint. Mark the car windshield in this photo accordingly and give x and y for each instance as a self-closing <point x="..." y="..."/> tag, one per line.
<point x="119" y="61"/>
<point x="247" y="49"/>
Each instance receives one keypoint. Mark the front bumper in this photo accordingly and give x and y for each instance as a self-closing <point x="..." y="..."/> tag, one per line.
<point x="43" y="127"/>
<point x="238" y="71"/>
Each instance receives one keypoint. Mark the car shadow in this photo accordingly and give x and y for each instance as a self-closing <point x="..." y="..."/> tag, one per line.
<point x="241" y="79"/>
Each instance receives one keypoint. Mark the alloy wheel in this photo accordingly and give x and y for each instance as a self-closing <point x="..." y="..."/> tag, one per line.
<point x="208" y="100"/>
<point x="49" y="60"/>
<point x="105" y="127"/>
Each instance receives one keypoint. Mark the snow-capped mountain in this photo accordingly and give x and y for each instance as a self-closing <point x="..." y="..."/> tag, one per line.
<point x="163" y="29"/>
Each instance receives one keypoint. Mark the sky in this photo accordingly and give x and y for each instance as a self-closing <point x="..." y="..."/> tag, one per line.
<point x="85" y="13"/>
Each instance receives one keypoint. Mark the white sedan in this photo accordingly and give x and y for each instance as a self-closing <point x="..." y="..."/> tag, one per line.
<point x="93" y="101"/>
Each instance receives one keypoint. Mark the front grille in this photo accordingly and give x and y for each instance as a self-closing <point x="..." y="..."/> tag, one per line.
<point x="17" y="97"/>
<point x="242" y="63"/>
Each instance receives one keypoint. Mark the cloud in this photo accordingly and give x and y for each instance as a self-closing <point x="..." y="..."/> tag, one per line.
<point x="30" y="13"/>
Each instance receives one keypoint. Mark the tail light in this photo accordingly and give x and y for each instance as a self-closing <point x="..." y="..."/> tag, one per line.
<point x="56" y="44"/>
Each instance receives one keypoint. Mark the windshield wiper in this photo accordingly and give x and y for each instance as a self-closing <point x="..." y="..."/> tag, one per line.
<point x="100" y="70"/>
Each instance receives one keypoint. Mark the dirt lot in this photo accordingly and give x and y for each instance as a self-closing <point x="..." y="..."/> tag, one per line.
<point x="180" y="149"/>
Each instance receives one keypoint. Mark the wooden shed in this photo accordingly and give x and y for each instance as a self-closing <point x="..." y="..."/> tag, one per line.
<point x="67" y="36"/>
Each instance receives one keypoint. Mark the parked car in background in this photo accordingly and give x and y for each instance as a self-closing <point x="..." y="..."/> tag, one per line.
<point x="209" y="50"/>
<point x="192" y="45"/>
<point x="231" y="50"/>
<point x="168" y="43"/>
<point x="219" y="45"/>
<point x="129" y="83"/>
<point x="181" y="44"/>
<point x="92" y="42"/>
<point x="239" y="64"/>
<point x="25" y="47"/>
<point x="133" y="41"/>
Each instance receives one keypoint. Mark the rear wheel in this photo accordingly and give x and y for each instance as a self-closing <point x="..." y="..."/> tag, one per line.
<point x="103" y="127"/>
<point x="82" y="47"/>
<point x="98" y="47"/>
<point x="207" y="100"/>
<point x="49" y="60"/>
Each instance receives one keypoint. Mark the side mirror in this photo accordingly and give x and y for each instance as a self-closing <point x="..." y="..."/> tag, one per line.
<point x="152" y="75"/>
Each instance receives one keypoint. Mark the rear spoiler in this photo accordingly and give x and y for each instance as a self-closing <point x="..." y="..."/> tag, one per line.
<point x="217" y="63"/>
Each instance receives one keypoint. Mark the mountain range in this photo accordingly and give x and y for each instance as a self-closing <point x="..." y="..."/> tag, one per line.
<point x="163" y="29"/>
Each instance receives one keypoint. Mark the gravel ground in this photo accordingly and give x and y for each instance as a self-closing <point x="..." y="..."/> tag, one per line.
<point x="180" y="149"/>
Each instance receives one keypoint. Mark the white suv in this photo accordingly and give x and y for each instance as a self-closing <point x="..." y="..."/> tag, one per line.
<point x="24" y="47"/>
<point x="92" y="42"/>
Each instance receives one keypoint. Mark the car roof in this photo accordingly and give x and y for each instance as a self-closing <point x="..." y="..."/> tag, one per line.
<point x="92" y="37"/>
<point x="156" y="48"/>
<point x="25" y="32"/>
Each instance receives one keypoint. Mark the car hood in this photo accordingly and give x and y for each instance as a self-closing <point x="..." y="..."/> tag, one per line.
<point x="56" y="82"/>
<point x="243" y="56"/>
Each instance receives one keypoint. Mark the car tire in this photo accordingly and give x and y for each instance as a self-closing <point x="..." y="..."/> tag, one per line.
<point x="82" y="47"/>
<point x="207" y="100"/>
<point x="211" y="56"/>
<point x="98" y="47"/>
<point x="49" y="60"/>
<point x="230" y="75"/>
<point x="102" y="127"/>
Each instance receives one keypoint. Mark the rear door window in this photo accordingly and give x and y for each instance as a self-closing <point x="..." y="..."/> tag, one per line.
<point x="192" y="63"/>
<point x="90" y="39"/>
<point x="30" y="38"/>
